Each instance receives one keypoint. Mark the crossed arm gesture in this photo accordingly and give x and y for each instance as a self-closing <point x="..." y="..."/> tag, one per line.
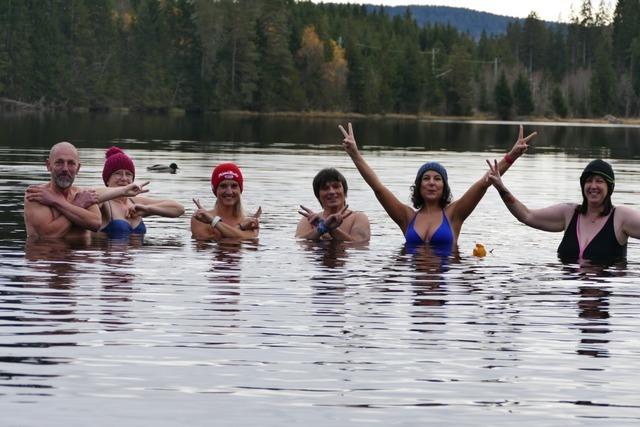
<point x="247" y="229"/>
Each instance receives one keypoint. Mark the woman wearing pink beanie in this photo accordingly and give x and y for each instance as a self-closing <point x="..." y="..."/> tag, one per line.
<point x="121" y="205"/>
<point x="227" y="218"/>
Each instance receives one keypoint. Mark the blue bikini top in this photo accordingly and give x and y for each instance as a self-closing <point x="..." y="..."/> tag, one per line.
<point x="121" y="227"/>
<point x="443" y="236"/>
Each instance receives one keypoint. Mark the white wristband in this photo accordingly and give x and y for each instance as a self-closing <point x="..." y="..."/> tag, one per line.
<point x="216" y="219"/>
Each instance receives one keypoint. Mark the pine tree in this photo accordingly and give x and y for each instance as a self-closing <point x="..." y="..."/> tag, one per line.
<point x="279" y="86"/>
<point x="626" y="21"/>
<point x="602" y="82"/>
<point x="502" y="96"/>
<point x="522" y="96"/>
<point x="458" y="93"/>
<point x="558" y="102"/>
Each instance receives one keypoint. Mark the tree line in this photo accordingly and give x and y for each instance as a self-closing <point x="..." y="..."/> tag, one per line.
<point x="286" y="55"/>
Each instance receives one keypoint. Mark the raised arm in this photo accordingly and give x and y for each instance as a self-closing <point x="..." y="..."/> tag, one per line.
<point x="553" y="218"/>
<point x="398" y="211"/>
<point x="463" y="207"/>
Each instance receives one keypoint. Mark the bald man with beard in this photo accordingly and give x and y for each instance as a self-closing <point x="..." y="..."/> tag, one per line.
<point x="58" y="208"/>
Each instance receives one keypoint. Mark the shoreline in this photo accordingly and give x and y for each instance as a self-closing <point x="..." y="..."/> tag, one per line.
<point x="477" y="118"/>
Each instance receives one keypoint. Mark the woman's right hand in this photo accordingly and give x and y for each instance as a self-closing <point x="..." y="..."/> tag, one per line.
<point x="312" y="217"/>
<point x="201" y="214"/>
<point x="349" y="141"/>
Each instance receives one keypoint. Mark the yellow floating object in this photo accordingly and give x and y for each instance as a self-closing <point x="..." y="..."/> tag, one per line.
<point x="479" y="250"/>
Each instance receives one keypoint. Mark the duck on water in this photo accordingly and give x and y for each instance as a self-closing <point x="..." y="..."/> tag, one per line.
<point x="172" y="168"/>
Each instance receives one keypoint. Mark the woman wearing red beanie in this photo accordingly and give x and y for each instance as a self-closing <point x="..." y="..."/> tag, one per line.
<point x="227" y="218"/>
<point x="121" y="205"/>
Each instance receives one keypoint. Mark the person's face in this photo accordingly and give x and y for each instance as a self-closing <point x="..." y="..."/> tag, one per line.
<point x="595" y="189"/>
<point x="431" y="186"/>
<point x="331" y="195"/>
<point x="120" y="178"/>
<point x="63" y="164"/>
<point x="228" y="192"/>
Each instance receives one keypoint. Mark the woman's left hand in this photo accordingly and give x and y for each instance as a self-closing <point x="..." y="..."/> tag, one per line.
<point x="253" y="222"/>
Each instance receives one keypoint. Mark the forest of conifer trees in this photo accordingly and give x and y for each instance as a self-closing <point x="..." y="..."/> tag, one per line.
<point x="286" y="55"/>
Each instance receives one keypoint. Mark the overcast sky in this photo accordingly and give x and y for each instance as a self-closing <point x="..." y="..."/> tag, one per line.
<point x="548" y="10"/>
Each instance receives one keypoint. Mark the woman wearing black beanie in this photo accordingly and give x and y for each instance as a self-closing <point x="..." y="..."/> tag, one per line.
<point x="594" y="230"/>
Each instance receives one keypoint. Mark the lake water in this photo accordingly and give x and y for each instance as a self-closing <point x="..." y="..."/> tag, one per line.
<point x="166" y="330"/>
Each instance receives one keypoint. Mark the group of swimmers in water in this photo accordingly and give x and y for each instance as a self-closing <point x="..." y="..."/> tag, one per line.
<point x="593" y="230"/>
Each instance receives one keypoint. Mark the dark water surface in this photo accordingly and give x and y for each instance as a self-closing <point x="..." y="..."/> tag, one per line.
<point x="166" y="330"/>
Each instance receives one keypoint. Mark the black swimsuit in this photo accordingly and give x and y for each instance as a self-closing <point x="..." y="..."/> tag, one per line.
<point x="603" y="247"/>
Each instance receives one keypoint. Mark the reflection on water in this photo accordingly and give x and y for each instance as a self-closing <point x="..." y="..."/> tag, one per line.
<point x="322" y="333"/>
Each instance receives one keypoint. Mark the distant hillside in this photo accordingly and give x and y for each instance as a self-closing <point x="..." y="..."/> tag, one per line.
<point x="469" y="21"/>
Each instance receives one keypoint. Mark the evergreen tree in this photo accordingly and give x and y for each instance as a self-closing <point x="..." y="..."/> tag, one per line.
<point x="186" y="55"/>
<point x="602" y="82"/>
<point x="50" y="66"/>
<point x="356" y="80"/>
<point x="411" y="87"/>
<point x="458" y="93"/>
<point x="522" y="96"/>
<point x="558" y="102"/>
<point x="502" y="97"/>
<point x="534" y="42"/>
<point x="626" y="21"/>
<point x="279" y="86"/>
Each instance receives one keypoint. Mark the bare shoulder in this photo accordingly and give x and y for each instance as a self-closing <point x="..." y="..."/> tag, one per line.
<point x="624" y="212"/>
<point x="360" y="217"/>
<point x="33" y="187"/>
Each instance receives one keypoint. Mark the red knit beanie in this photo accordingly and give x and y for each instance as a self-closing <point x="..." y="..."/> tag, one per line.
<point x="116" y="160"/>
<point x="226" y="171"/>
